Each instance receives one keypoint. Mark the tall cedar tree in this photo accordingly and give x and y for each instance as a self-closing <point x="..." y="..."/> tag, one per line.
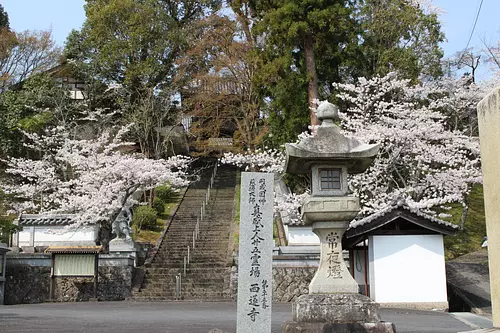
<point x="306" y="37"/>
<point x="310" y="44"/>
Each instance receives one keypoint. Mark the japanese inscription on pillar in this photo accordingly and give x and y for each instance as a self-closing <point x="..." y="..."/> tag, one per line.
<point x="255" y="253"/>
<point x="333" y="256"/>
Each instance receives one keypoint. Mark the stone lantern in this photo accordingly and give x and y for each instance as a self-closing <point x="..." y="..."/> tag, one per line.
<point x="329" y="157"/>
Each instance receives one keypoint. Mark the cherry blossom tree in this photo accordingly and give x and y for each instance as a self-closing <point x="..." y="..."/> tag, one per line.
<point x="263" y="160"/>
<point x="93" y="179"/>
<point x="428" y="155"/>
<point x="456" y="99"/>
<point x="421" y="158"/>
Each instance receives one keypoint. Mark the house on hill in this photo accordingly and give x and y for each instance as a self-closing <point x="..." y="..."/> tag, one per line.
<point x="64" y="76"/>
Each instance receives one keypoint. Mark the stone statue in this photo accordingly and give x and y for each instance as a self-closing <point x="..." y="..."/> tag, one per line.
<point x="121" y="225"/>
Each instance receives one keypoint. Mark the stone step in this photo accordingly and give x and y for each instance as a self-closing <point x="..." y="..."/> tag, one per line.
<point x="209" y="269"/>
<point x="201" y="245"/>
<point x="169" y="281"/>
<point x="185" y="291"/>
<point x="218" y="297"/>
<point x="214" y="264"/>
<point x="207" y="253"/>
<point x="192" y="270"/>
<point x="202" y="264"/>
<point x="191" y="274"/>
<point x="196" y="252"/>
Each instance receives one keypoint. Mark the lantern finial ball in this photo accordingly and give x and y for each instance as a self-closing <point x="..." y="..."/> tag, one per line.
<point x="327" y="113"/>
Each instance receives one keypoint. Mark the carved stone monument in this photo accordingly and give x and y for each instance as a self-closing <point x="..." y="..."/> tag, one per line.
<point x="333" y="303"/>
<point x="255" y="256"/>
<point x="123" y="243"/>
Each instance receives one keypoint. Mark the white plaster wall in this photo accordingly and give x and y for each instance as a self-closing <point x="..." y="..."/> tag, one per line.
<point x="57" y="235"/>
<point x="302" y="236"/>
<point x="24" y="237"/>
<point x="407" y="269"/>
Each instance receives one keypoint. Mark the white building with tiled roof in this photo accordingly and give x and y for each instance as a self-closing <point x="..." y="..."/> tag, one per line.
<point x="49" y="230"/>
<point x="397" y="257"/>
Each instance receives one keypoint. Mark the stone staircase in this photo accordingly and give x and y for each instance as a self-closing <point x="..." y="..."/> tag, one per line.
<point x="209" y="271"/>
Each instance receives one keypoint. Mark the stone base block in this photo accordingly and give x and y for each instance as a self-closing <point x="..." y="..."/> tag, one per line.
<point x="122" y="245"/>
<point x="380" y="327"/>
<point x="429" y="306"/>
<point x="484" y="330"/>
<point x="336" y="308"/>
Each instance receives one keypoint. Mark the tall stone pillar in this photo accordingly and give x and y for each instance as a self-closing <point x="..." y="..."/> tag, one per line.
<point x="488" y="111"/>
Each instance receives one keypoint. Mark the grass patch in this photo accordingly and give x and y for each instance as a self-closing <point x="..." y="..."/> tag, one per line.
<point x="238" y="199"/>
<point x="152" y="236"/>
<point x="237" y="214"/>
<point x="167" y="211"/>
<point x="275" y="231"/>
<point x="471" y="237"/>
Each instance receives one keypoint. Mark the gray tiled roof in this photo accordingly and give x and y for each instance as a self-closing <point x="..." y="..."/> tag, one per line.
<point x="400" y="204"/>
<point x="74" y="249"/>
<point x="42" y="219"/>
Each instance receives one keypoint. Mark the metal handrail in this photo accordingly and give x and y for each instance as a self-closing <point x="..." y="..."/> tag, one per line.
<point x="196" y="231"/>
<point x="178" y="286"/>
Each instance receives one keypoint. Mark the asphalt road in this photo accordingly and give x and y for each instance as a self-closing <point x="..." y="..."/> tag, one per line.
<point x="179" y="317"/>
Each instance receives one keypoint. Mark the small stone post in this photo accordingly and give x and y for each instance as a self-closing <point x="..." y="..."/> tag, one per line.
<point x="488" y="111"/>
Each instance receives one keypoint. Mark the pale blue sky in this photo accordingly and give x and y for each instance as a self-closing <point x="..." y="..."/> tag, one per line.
<point x="65" y="15"/>
<point x="62" y="15"/>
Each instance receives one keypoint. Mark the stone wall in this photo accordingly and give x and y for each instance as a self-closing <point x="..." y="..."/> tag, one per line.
<point x="26" y="284"/>
<point x="115" y="284"/>
<point x="28" y="280"/>
<point x="288" y="282"/>
<point x="291" y="282"/>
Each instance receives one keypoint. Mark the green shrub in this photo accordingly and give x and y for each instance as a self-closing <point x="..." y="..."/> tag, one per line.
<point x="165" y="193"/>
<point x="7" y="227"/>
<point x="144" y="217"/>
<point x="158" y="205"/>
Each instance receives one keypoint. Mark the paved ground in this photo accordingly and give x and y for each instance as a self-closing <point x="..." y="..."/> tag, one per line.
<point x="179" y="317"/>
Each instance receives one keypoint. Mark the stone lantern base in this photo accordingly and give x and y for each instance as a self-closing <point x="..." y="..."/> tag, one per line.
<point x="339" y="313"/>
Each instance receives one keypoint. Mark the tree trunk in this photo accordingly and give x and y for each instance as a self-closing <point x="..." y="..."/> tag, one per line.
<point x="104" y="236"/>
<point x="312" y="77"/>
<point x="465" y="212"/>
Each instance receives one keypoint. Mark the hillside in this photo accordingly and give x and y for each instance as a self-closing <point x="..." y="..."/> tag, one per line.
<point x="471" y="237"/>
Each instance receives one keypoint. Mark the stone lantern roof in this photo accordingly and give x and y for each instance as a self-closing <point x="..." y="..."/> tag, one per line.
<point x="329" y="146"/>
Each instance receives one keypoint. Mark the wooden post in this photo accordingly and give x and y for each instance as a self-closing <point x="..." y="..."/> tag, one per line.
<point x="184" y="266"/>
<point x="51" y="287"/>
<point x="365" y="247"/>
<point x="96" y="274"/>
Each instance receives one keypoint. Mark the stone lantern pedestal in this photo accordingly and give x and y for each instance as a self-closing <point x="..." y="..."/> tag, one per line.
<point x="333" y="303"/>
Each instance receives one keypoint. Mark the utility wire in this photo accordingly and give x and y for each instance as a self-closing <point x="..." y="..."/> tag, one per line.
<point x="472" y="31"/>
